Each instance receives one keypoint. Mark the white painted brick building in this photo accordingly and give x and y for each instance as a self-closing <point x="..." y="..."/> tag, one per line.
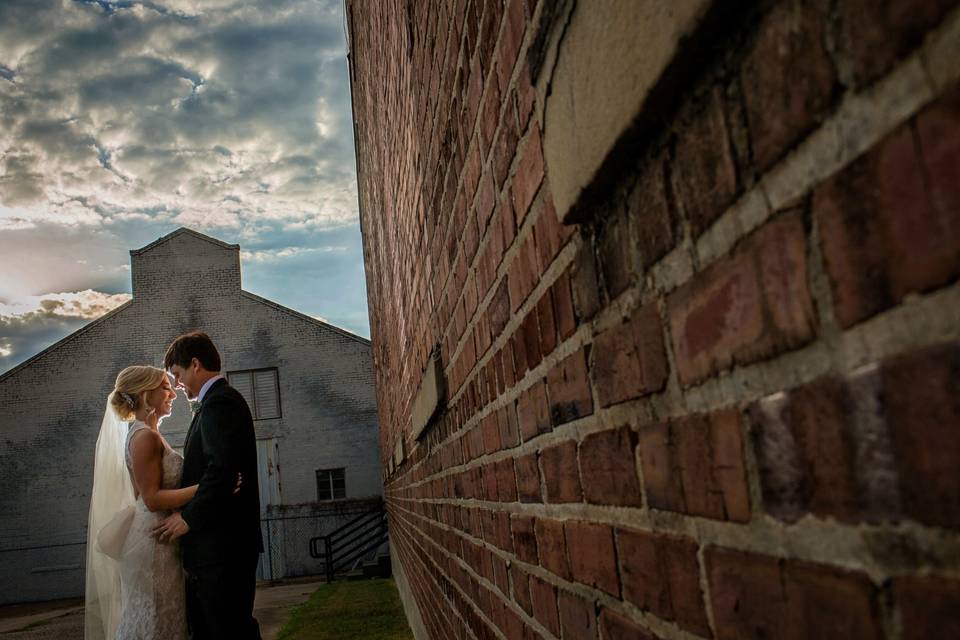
<point x="51" y="406"/>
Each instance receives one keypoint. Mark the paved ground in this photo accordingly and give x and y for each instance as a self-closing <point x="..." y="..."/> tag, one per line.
<point x="63" y="620"/>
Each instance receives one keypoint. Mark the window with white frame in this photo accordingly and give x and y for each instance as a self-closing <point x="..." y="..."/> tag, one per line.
<point x="331" y="484"/>
<point x="261" y="389"/>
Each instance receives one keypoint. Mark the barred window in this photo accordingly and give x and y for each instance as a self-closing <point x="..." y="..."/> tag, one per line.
<point x="261" y="389"/>
<point x="331" y="484"/>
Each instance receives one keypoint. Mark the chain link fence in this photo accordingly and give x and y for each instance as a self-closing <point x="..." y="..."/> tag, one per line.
<point x="30" y="572"/>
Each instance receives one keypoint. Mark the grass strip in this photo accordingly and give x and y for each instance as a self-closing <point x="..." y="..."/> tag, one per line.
<point x="368" y="609"/>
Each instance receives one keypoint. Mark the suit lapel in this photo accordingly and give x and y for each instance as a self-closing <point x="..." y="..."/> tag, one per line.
<point x="190" y="433"/>
<point x="196" y="417"/>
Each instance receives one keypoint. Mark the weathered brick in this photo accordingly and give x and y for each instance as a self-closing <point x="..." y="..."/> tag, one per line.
<point x="501" y="574"/>
<point x="531" y="338"/>
<point x="889" y="221"/>
<point x="524" y="538"/>
<point x="584" y="282"/>
<point x="788" y="79"/>
<point x="543" y="596"/>
<point x="614" y="626"/>
<point x="629" y="360"/>
<point x="474" y="93"/>
<point x="929" y="606"/>
<point x="657" y="456"/>
<point x="500" y="308"/>
<point x="504" y="150"/>
<point x="561" y="477"/>
<point x="614" y="253"/>
<point x="490" y="116"/>
<point x="652" y="216"/>
<point x="875" y="35"/>
<point x="529" y="176"/>
<point x="521" y="589"/>
<point x="519" y="353"/>
<point x="746" y="307"/>
<point x="515" y="24"/>
<point x="533" y="411"/>
<point x="522" y="273"/>
<point x="509" y="427"/>
<point x="506" y="481"/>
<point x="549" y="234"/>
<point x="562" y="298"/>
<point x="489" y="482"/>
<point x="923" y="415"/>
<point x="528" y="478"/>
<point x="694" y="464"/>
<point x="609" y="468"/>
<point x="471" y="240"/>
<point x="568" y="388"/>
<point x="547" y="324"/>
<point x="552" y="547"/>
<point x="592" y="556"/>
<point x="578" y="617"/>
<point x="661" y="574"/>
<point x="526" y="97"/>
<point x="491" y="433"/>
<point x="805" y="452"/>
<point x="760" y="596"/>
<point x="703" y="163"/>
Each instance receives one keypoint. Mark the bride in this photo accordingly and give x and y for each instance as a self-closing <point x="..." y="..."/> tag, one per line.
<point x="139" y="595"/>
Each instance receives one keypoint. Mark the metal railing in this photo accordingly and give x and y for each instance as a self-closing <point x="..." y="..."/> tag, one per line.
<point x="341" y="549"/>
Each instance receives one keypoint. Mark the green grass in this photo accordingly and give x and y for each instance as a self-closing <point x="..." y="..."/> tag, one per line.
<point x="367" y="609"/>
<point x="34" y="625"/>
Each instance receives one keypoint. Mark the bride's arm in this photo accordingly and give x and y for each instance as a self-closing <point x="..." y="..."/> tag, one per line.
<point x="146" y="451"/>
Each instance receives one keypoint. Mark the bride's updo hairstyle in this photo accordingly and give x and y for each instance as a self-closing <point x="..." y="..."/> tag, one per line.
<point x="132" y="385"/>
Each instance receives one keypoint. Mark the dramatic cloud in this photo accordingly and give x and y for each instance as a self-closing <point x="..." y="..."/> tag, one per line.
<point x="30" y="324"/>
<point x="123" y="120"/>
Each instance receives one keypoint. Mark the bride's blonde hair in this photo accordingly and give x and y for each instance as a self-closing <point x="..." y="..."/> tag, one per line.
<point x="133" y="384"/>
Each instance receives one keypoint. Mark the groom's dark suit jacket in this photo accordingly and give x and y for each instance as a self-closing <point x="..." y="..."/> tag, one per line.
<point x="224" y="527"/>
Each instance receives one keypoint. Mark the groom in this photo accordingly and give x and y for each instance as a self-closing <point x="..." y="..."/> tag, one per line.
<point x="221" y="530"/>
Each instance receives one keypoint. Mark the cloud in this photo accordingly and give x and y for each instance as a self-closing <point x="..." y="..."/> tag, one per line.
<point x="108" y="107"/>
<point x="121" y="120"/>
<point x="85" y="305"/>
<point x="28" y="325"/>
<point x="272" y="255"/>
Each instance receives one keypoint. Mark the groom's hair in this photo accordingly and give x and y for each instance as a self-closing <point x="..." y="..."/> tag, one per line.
<point x="195" y="344"/>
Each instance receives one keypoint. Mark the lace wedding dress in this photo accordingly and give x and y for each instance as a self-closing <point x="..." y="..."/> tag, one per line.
<point x="152" y="597"/>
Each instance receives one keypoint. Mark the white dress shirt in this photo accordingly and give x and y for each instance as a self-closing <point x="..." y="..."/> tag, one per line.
<point x="206" y="387"/>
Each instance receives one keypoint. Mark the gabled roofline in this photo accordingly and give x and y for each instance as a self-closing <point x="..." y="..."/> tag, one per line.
<point x="93" y="323"/>
<point x="62" y="341"/>
<point x="182" y="230"/>
<point x="302" y="316"/>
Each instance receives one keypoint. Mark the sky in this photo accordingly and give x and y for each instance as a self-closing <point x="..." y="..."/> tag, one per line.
<point x="121" y="121"/>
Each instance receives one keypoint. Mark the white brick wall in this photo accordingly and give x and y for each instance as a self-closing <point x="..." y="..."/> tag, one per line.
<point x="52" y="405"/>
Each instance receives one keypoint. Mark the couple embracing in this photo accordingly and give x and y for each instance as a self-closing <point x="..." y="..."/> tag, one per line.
<point x="173" y="542"/>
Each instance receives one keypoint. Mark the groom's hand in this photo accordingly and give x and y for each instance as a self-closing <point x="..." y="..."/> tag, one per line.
<point x="171" y="528"/>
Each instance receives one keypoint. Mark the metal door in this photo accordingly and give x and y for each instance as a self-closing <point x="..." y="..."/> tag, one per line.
<point x="268" y="479"/>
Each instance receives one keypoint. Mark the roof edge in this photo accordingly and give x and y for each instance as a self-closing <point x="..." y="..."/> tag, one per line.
<point x="64" y="340"/>
<point x="303" y="316"/>
<point x="177" y="232"/>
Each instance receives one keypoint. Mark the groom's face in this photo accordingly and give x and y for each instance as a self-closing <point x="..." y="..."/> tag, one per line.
<point x="186" y="378"/>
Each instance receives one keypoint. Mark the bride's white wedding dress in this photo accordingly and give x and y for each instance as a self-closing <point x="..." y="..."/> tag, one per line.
<point x="152" y="597"/>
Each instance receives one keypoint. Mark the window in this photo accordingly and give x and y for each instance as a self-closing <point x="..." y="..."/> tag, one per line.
<point x="331" y="484"/>
<point x="261" y="389"/>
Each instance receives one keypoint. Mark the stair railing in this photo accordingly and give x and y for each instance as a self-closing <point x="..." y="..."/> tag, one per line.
<point x="343" y="546"/>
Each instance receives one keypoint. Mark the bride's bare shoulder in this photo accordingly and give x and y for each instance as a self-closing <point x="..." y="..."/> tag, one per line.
<point x="145" y="444"/>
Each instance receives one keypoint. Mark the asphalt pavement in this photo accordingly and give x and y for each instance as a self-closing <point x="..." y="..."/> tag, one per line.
<point x="63" y="619"/>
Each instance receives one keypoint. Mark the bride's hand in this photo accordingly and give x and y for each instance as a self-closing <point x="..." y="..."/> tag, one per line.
<point x="236" y="489"/>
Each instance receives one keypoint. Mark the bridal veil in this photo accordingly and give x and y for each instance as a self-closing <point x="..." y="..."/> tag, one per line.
<point x="112" y="492"/>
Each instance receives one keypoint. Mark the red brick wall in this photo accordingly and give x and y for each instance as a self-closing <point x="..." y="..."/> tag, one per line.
<point x="723" y="405"/>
